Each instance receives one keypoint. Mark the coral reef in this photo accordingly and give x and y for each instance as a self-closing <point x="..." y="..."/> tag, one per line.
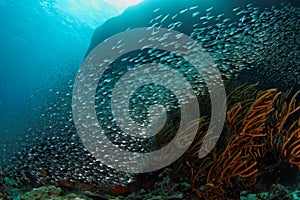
<point x="277" y="191"/>
<point x="4" y="194"/>
<point x="42" y="193"/>
<point x="163" y="188"/>
<point x="50" y="192"/>
<point x="262" y="132"/>
<point x="261" y="137"/>
<point x="256" y="139"/>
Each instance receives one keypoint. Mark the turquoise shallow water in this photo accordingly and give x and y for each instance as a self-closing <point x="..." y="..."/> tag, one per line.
<point x="43" y="45"/>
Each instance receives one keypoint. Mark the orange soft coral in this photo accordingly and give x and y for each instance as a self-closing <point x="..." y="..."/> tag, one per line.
<point x="258" y="124"/>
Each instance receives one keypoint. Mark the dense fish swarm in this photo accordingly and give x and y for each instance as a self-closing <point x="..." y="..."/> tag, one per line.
<point x="265" y="40"/>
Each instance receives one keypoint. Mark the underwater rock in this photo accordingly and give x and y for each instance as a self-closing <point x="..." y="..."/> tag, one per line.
<point x="73" y="196"/>
<point x="277" y="192"/>
<point x="50" y="192"/>
<point x="281" y="192"/>
<point x="187" y="12"/>
<point x="259" y="38"/>
<point x="45" y="192"/>
<point x="4" y="194"/>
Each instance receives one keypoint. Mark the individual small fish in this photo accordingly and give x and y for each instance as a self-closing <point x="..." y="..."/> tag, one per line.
<point x="193" y="8"/>
<point x="157" y="18"/>
<point x="236" y="9"/>
<point x="173" y="17"/>
<point x="164" y="18"/>
<point x="209" y="9"/>
<point x="156" y="10"/>
<point x="195" y="14"/>
<point x="183" y="11"/>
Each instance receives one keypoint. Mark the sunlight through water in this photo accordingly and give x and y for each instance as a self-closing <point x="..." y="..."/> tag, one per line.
<point x="93" y="12"/>
<point x="122" y="4"/>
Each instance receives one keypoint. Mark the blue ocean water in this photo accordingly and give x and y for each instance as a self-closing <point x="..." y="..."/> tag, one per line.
<point x="43" y="44"/>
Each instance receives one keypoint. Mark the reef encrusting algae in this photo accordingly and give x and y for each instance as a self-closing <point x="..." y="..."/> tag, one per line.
<point x="50" y="192"/>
